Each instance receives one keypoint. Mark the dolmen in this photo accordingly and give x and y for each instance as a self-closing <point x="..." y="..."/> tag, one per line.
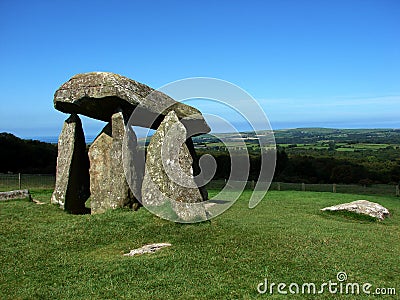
<point x="110" y="172"/>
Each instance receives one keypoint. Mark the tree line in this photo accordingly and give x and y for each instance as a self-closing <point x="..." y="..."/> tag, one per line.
<point x="26" y="156"/>
<point x="311" y="169"/>
<point x="310" y="166"/>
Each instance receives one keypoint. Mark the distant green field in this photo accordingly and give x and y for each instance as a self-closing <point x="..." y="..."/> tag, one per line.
<point x="303" y="146"/>
<point x="49" y="254"/>
<point x="345" y="149"/>
<point x="318" y="138"/>
<point x="340" y="146"/>
<point x="312" y="146"/>
<point x="371" y="146"/>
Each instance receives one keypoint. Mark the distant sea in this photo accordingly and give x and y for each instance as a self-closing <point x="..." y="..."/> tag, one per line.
<point x="278" y="126"/>
<point x="54" y="139"/>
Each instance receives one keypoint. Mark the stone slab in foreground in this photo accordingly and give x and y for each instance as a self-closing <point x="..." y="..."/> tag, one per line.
<point x="363" y="207"/>
<point x="148" y="249"/>
<point x="12" y="195"/>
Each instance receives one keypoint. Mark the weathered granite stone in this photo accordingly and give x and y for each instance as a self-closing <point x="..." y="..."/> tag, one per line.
<point x="169" y="173"/>
<point x="364" y="207"/>
<point x="99" y="94"/>
<point x="72" y="177"/>
<point x="100" y="164"/>
<point x="108" y="185"/>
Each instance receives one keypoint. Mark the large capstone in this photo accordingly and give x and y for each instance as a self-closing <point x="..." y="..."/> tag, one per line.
<point x="99" y="94"/>
<point x="72" y="177"/>
<point x="108" y="185"/>
<point x="168" y="185"/>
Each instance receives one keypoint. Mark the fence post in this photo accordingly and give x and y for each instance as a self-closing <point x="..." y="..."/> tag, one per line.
<point x="279" y="186"/>
<point x="19" y="180"/>
<point x="303" y="186"/>
<point x="334" y="188"/>
<point x="397" y="191"/>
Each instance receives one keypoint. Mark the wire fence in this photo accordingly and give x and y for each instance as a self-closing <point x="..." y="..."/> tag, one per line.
<point x="373" y="189"/>
<point x="10" y="182"/>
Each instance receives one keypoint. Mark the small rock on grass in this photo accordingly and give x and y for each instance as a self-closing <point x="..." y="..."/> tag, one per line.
<point x="363" y="207"/>
<point x="148" y="249"/>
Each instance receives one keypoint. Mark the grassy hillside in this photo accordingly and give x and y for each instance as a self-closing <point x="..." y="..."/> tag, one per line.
<point x="314" y="135"/>
<point x="317" y="155"/>
<point x="48" y="254"/>
<point x="26" y="156"/>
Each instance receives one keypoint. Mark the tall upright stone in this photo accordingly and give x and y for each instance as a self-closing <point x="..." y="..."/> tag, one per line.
<point x="108" y="185"/>
<point x="72" y="177"/>
<point x="168" y="181"/>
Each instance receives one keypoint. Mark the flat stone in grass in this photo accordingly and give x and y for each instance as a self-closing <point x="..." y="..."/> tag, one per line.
<point x="12" y="195"/>
<point x="363" y="207"/>
<point x="147" y="249"/>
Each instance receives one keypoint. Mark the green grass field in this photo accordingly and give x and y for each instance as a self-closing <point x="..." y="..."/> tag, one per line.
<point x="339" y="146"/>
<point x="48" y="254"/>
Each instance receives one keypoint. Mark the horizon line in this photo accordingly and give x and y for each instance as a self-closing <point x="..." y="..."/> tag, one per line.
<point x="92" y="136"/>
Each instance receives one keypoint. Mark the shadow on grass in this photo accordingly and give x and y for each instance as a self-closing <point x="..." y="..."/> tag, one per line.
<point x="349" y="216"/>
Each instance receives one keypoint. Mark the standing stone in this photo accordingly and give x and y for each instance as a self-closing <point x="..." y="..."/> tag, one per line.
<point x="108" y="184"/>
<point x="72" y="177"/>
<point x="99" y="170"/>
<point x="169" y="174"/>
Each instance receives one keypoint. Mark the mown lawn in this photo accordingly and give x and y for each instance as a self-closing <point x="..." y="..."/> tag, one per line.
<point x="48" y="254"/>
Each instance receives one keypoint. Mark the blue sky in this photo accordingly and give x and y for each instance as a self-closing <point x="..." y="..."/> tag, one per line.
<point x="308" y="63"/>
